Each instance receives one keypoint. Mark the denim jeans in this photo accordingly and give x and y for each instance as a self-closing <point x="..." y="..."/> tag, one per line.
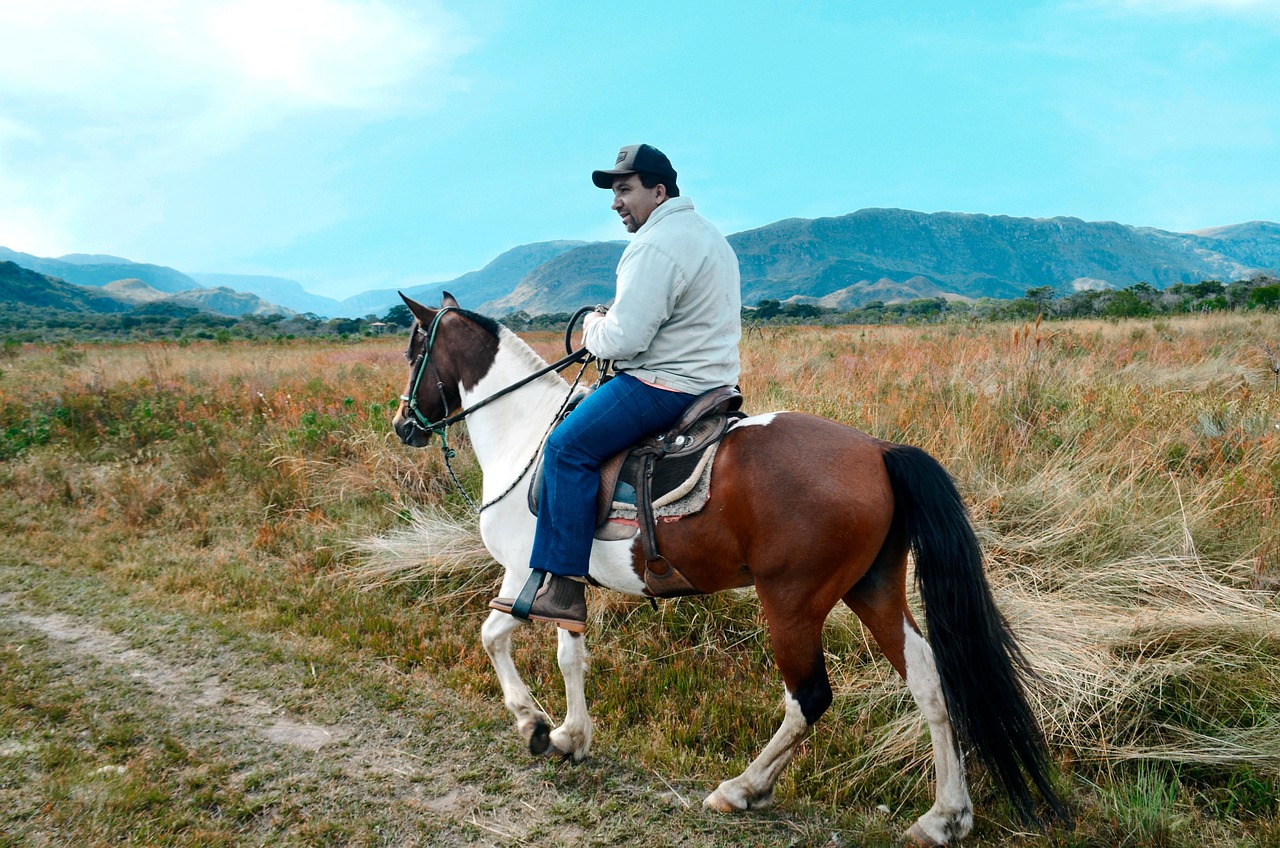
<point x="618" y="414"/>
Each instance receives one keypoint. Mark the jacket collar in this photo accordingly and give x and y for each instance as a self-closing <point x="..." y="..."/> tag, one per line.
<point x="667" y="207"/>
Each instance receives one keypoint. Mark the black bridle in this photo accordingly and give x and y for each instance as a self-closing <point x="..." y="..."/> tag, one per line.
<point x="441" y="427"/>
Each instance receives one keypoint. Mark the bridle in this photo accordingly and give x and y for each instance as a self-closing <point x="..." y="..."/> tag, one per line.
<point x="441" y="427"/>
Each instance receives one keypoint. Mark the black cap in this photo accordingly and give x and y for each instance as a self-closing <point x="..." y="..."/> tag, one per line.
<point x="636" y="158"/>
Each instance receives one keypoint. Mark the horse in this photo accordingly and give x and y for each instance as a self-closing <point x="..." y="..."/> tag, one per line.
<point x="809" y="512"/>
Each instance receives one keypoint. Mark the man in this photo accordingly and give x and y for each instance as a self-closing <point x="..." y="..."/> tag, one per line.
<point x="672" y="334"/>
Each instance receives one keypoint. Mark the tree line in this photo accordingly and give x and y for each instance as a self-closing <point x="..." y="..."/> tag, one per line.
<point x="25" y="323"/>
<point x="1139" y="300"/>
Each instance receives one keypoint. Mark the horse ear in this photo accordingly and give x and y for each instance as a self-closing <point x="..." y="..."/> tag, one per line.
<point x="448" y="300"/>
<point x="422" y="313"/>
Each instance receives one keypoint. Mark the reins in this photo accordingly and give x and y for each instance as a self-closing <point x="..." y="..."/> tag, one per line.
<point x="441" y="427"/>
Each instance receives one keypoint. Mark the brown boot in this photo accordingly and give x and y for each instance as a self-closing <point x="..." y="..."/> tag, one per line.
<point x="560" y="600"/>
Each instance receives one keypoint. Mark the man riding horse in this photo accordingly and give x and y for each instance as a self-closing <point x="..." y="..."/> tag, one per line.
<point x="672" y="334"/>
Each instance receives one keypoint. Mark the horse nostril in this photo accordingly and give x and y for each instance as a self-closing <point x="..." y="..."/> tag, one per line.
<point x="412" y="433"/>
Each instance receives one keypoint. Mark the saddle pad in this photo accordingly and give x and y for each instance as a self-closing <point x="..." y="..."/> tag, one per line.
<point x="684" y="492"/>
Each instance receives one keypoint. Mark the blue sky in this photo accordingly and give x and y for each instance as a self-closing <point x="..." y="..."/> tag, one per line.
<point x="357" y="145"/>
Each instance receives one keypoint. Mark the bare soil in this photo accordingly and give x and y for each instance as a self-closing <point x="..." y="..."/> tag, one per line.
<point x="434" y="769"/>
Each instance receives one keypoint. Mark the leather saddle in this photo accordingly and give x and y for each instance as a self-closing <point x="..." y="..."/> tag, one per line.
<point x="660" y="464"/>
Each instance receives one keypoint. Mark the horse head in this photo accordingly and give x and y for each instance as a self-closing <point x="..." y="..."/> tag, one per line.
<point x="450" y="350"/>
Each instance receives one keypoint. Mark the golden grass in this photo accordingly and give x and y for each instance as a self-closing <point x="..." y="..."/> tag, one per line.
<point x="1100" y="459"/>
<point x="1123" y="478"/>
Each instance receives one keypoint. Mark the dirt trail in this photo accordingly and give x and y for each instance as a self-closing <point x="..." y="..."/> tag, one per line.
<point x="371" y="756"/>
<point x="433" y="770"/>
<point x="188" y="689"/>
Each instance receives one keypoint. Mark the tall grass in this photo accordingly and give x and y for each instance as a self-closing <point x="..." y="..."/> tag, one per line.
<point x="1123" y="478"/>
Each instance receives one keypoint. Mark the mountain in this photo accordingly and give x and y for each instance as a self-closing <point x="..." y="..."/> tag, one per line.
<point x="1256" y="243"/>
<point x="225" y="301"/>
<point x="86" y="273"/>
<point x="898" y="254"/>
<point x="22" y="285"/>
<point x="579" y="277"/>
<point x="492" y="281"/>
<point x="94" y="259"/>
<point x="134" y="291"/>
<point x="285" y="292"/>
<point x="843" y="262"/>
<point x="971" y="255"/>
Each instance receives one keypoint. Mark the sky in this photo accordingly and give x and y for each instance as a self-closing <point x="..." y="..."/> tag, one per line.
<point x="366" y="144"/>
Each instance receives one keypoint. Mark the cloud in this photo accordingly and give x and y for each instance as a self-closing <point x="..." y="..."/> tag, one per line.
<point x="100" y="99"/>
<point x="141" y="57"/>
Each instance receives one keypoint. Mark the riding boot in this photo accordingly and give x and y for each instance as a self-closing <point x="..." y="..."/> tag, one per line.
<point x="559" y="600"/>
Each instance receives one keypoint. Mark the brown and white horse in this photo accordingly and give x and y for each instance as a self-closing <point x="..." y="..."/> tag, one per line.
<point x="808" y="511"/>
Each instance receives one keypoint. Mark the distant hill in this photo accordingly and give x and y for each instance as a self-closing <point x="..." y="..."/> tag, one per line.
<point x="225" y="301"/>
<point x="1255" y="243"/>
<point x="278" y="290"/>
<point x="579" y="277"/>
<point x="22" y="285"/>
<point x="85" y="273"/>
<point x="94" y="259"/>
<point x="897" y="254"/>
<point x="134" y="291"/>
<point x="492" y="281"/>
<point x="844" y="262"/>
<point x="971" y="255"/>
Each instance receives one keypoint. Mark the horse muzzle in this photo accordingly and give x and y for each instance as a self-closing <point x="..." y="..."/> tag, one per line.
<point x="411" y="432"/>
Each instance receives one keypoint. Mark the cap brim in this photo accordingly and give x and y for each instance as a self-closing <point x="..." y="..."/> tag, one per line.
<point x="604" y="179"/>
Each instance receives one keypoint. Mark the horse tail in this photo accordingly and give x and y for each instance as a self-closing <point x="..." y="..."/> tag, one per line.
<point x="979" y="662"/>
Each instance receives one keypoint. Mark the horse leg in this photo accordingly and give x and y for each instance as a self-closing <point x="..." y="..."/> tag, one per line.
<point x="573" y="737"/>
<point x="879" y="600"/>
<point x="532" y="724"/>
<point x="798" y="654"/>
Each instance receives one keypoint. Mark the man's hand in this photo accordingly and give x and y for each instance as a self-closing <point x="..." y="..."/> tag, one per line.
<point x="591" y="318"/>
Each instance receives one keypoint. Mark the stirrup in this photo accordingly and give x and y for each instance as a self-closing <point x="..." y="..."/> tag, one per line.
<point x="524" y="601"/>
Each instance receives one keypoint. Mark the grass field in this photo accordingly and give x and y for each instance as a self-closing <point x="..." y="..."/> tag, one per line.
<point x="214" y="632"/>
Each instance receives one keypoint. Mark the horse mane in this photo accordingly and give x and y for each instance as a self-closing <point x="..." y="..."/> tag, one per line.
<point x="489" y="325"/>
<point x="511" y="340"/>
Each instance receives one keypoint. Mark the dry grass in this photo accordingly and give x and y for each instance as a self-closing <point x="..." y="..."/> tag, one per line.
<point x="1123" y="479"/>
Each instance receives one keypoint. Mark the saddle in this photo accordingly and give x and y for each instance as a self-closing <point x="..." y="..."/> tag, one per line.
<point x="661" y="468"/>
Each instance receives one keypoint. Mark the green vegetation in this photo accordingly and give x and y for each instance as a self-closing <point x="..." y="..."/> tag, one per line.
<point x="1137" y="301"/>
<point x="181" y="537"/>
<point x="33" y="324"/>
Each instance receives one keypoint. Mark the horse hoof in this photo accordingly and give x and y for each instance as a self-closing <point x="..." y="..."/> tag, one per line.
<point x="540" y="739"/>
<point x="716" y="801"/>
<point x="916" y="835"/>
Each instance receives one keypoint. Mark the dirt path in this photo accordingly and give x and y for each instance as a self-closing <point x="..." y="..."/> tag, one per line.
<point x="432" y="772"/>
<point x="189" y="690"/>
<point x="369" y="755"/>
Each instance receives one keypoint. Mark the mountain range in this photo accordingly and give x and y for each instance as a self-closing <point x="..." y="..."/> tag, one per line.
<point x="845" y="261"/>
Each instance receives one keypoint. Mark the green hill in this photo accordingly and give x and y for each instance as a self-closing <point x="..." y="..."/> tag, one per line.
<point x="24" y="286"/>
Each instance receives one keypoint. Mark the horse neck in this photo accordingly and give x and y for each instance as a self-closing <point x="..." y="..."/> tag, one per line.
<point x="506" y="434"/>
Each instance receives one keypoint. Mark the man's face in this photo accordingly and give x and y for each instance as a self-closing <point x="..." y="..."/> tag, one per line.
<point x="634" y="202"/>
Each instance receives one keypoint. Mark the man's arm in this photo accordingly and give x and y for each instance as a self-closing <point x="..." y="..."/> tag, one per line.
<point x="648" y="284"/>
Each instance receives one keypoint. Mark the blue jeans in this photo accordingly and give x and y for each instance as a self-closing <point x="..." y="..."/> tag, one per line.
<point x="618" y="414"/>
